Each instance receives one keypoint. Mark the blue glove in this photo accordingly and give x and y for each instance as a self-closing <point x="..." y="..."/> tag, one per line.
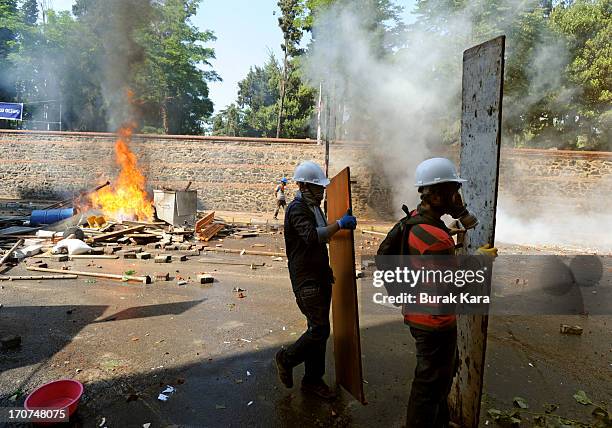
<point x="348" y="221"/>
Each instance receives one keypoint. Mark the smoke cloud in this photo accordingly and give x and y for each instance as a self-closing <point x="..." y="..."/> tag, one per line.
<point x="121" y="53"/>
<point x="395" y="102"/>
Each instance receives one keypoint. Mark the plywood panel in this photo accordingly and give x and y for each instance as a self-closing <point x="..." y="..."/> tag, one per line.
<point x="345" y="310"/>
<point x="482" y="90"/>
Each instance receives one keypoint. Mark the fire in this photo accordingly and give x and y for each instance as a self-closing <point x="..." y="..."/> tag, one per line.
<point x="127" y="198"/>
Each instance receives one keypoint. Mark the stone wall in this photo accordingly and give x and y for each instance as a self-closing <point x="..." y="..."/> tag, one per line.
<point x="241" y="175"/>
<point x="237" y="176"/>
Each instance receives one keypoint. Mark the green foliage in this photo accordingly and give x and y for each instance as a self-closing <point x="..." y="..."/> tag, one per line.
<point x="169" y="84"/>
<point x="558" y="73"/>
<point x="384" y="24"/>
<point x="29" y="9"/>
<point x="89" y="60"/>
<point x="255" y="113"/>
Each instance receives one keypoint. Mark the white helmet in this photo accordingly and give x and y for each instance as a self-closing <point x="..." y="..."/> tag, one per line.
<point x="435" y="171"/>
<point x="310" y="172"/>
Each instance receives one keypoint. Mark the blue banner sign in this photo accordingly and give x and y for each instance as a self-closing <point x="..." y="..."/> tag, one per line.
<point x="11" y="111"/>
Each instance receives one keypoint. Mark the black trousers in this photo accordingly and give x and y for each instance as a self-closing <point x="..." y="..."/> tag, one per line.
<point x="433" y="378"/>
<point x="280" y="203"/>
<point x="314" y="301"/>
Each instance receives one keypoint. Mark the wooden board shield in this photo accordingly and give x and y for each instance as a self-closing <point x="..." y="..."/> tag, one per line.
<point x="482" y="91"/>
<point x="345" y="311"/>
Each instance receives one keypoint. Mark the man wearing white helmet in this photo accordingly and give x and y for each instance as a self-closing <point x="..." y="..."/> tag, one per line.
<point x="435" y="335"/>
<point x="306" y="236"/>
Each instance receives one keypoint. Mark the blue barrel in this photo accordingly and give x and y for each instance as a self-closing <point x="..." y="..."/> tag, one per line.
<point x="50" y="216"/>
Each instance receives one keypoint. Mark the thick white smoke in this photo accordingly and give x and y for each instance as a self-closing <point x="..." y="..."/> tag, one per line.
<point x="395" y="101"/>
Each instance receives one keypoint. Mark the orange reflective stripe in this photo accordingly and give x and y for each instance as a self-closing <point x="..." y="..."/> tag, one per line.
<point x="430" y="321"/>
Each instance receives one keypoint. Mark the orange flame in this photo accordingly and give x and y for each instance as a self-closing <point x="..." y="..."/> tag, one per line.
<point x="127" y="198"/>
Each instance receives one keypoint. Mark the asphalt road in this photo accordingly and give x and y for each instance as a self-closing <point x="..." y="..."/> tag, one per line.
<point x="127" y="342"/>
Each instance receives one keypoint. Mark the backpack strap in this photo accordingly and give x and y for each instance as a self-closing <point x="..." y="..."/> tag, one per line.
<point x="410" y="220"/>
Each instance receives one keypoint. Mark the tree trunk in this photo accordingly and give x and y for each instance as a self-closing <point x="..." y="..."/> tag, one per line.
<point x="282" y="94"/>
<point x="164" y="116"/>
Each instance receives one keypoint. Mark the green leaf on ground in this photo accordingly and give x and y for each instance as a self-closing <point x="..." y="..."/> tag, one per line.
<point x="520" y="402"/>
<point x="581" y="397"/>
<point x="494" y="413"/>
<point x="220" y="406"/>
<point x="129" y="272"/>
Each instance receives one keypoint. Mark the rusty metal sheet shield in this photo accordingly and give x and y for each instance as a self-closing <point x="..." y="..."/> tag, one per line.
<point x="482" y="91"/>
<point x="345" y="310"/>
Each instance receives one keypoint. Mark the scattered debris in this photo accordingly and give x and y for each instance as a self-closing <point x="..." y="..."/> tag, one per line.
<point x="10" y="252"/>
<point x="165" y="394"/>
<point x="520" y="402"/>
<point x="568" y="329"/>
<point x="143" y="279"/>
<point x="164" y="258"/>
<point x="204" y="278"/>
<point x="36" y="277"/>
<point x="161" y="276"/>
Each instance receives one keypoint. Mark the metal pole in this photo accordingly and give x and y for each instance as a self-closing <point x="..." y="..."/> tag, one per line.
<point x="327" y="130"/>
<point x="319" y="114"/>
<point x="60" y="121"/>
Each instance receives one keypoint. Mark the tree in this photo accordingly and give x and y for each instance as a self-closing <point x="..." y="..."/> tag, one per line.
<point x="588" y="27"/>
<point x="29" y="9"/>
<point x="170" y="82"/>
<point x="258" y="96"/>
<point x="289" y="23"/>
<point x="229" y="121"/>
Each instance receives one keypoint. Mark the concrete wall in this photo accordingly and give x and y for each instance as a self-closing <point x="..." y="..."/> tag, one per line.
<point x="240" y="175"/>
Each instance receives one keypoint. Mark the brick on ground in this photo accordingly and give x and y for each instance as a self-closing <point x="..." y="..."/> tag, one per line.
<point x="204" y="278"/>
<point x="163" y="258"/>
<point x="161" y="276"/>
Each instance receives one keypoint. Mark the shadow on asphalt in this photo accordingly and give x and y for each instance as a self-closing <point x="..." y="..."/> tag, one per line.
<point x="147" y="311"/>
<point x="51" y="328"/>
<point x="242" y="389"/>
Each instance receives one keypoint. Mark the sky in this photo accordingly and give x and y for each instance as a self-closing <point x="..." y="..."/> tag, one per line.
<point x="246" y="30"/>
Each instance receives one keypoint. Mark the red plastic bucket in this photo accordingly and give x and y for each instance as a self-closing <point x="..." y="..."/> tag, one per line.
<point x="59" y="394"/>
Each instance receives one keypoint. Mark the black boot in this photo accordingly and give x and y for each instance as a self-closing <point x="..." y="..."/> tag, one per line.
<point x="285" y="373"/>
<point x="318" y="388"/>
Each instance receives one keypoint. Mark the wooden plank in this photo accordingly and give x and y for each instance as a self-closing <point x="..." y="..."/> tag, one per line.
<point x="35" y="277"/>
<point x="10" y="251"/>
<point x="204" y="221"/>
<point x="117" y="233"/>
<point x="126" y="278"/>
<point x="345" y="311"/>
<point x="222" y="262"/>
<point x="483" y="71"/>
<point x="209" y="232"/>
<point x="75" y="257"/>
<point x="247" y="252"/>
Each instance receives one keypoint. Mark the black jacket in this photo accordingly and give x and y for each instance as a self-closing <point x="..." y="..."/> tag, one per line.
<point x="308" y="259"/>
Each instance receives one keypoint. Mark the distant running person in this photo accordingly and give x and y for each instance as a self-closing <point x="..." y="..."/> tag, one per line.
<point x="281" y="199"/>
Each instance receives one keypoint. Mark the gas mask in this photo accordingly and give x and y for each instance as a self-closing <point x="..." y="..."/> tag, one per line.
<point x="452" y="204"/>
<point x="313" y="194"/>
<point x="459" y="211"/>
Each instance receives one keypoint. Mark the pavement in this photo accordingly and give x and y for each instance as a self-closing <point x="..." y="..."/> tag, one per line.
<point x="126" y="342"/>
